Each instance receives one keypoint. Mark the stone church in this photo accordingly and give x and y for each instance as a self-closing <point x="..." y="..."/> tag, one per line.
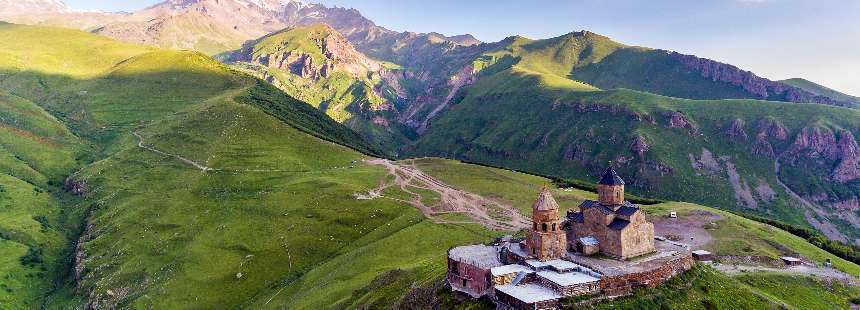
<point x="611" y="226"/>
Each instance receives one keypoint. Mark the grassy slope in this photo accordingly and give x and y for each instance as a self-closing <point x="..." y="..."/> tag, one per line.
<point x="35" y="152"/>
<point x="165" y="234"/>
<point x="820" y="90"/>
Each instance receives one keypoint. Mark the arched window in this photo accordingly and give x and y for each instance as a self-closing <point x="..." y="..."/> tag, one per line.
<point x="618" y="195"/>
<point x="543" y="226"/>
<point x="553" y="226"/>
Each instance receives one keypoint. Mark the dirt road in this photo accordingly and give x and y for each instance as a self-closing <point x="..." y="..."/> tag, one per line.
<point x="827" y="273"/>
<point x="480" y="210"/>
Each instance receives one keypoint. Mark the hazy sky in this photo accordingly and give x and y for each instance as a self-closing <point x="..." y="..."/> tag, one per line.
<point x="815" y="39"/>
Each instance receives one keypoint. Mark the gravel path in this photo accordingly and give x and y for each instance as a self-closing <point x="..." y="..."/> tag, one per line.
<point x="487" y="212"/>
<point x="827" y="273"/>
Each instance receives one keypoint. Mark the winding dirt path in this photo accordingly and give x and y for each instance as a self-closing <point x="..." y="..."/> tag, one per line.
<point x="484" y="211"/>
<point x="197" y="165"/>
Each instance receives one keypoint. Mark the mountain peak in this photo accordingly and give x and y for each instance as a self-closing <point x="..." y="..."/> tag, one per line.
<point x="12" y="7"/>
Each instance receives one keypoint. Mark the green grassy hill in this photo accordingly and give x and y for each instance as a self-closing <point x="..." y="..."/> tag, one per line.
<point x="714" y="152"/>
<point x="820" y="90"/>
<point x="36" y="151"/>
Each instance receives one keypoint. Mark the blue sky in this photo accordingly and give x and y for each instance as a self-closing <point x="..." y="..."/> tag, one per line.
<point x="818" y="40"/>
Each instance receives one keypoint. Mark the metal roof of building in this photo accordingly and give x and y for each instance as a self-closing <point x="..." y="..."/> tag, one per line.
<point x="589" y="241"/>
<point x="610" y="177"/>
<point x="509" y="269"/>
<point x="529" y="293"/>
<point x="626" y="210"/>
<point x="576" y="217"/>
<point x="568" y="278"/>
<point x="481" y="256"/>
<point x="618" y="224"/>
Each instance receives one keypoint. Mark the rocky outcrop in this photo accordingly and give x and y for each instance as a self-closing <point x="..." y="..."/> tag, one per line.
<point x="771" y="128"/>
<point x="75" y="187"/>
<point x="574" y="152"/>
<point x="765" y="192"/>
<point x="706" y="163"/>
<point x="761" y="146"/>
<point x="736" y="129"/>
<point x="678" y="120"/>
<point x="743" y="194"/>
<point x="814" y="142"/>
<point x="338" y="54"/>
<point x="756" y="86"/>
<point x="639" y="146"/>
<point x="849" y="158"/>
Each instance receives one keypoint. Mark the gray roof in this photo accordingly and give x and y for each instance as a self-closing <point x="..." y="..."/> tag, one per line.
<point x="576" y="217"/>
<point x="618" y="224"/>
<point x="610" y="177"/>
<point x="480" y="256"/>
<point x="626" y="210"/>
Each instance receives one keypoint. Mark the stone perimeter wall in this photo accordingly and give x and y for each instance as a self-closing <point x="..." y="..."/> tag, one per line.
<point x="625" y="284"/>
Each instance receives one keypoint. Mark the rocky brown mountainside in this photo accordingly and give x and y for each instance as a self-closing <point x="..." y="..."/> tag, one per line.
<point x="275" y="51"/>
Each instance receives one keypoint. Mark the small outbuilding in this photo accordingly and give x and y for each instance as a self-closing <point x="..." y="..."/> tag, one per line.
<point x="791" y="261"/>
<point x="702" y="255"/>
<point x="469" y="269"/>
<point x="587" y="246"/>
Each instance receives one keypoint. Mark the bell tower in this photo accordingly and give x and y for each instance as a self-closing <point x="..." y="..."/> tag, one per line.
<point x="610" y="189"/>
<point x="546" y="240"/>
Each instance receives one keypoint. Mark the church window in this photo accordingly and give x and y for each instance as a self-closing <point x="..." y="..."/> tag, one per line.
<point x="543" y="226"/>
<point x="553" y="226"/>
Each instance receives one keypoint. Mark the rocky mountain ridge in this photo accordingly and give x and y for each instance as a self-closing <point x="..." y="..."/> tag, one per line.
<point x="760" y="87"/>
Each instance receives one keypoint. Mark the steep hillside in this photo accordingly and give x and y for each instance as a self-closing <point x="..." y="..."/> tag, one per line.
<point x="718" y="152"/>
<point x="36" y="152"/>
<point x="820" y="90"/>
<point x="318" y="65"/>
<point x="150" y="115"/>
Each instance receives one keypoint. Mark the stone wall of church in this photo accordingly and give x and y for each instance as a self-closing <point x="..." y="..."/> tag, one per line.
<point x="637" y="240"/>
<point x="610" y="194"/>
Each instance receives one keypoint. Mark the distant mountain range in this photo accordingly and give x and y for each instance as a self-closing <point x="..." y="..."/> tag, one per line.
<point x="687" y="128"/>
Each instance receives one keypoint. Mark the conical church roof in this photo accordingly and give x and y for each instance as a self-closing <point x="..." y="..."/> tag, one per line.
<point x="610" y="177"/>
<point x="545" y="201"/>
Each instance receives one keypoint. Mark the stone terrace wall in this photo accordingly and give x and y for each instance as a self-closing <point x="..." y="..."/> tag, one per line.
<point x="625" y="284"/>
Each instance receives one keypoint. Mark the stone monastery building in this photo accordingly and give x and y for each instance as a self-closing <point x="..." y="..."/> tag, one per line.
<point x="554" y="262"/>
<point x="611" y="225"/>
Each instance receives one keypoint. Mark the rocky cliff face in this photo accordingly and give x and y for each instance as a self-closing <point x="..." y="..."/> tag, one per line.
<point x="758" y="87"/>
<point x="337" y="55"/>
